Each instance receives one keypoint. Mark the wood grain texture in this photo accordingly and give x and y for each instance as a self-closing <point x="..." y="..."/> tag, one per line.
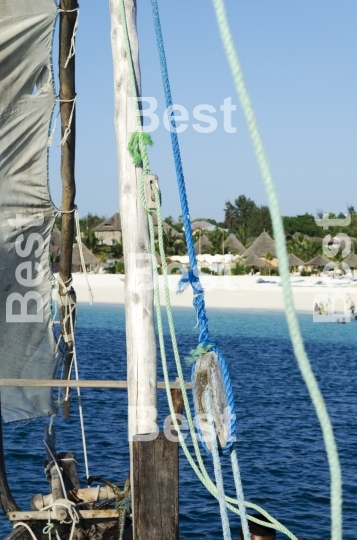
<point x="43" y="515"/>
<point x="68" y="149"/>
<point x="139" y="315"/>
<point x="156" y="504"/>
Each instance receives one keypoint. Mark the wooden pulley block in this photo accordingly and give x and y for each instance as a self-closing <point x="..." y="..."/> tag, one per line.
<point x="208" y="373"/>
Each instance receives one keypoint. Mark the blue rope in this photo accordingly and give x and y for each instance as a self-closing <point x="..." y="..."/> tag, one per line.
<point x="240" y="496"/>
<point x="217" y="468"/>
<point x="191" y="277"/>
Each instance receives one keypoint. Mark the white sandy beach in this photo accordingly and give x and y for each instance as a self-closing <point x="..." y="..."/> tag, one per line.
<point x="237" y="292"/>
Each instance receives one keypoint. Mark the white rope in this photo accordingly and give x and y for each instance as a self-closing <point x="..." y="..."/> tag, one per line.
<point x="70" y="507"/>
<point x="80" y="246"/>
<point x="22" y="524"/>
<point x="72" y="50"/>
<point x="50" y="138"/>
<point x="74" y="362"/>
<point x="68" y="128"/>
<point x="79" y="401"/>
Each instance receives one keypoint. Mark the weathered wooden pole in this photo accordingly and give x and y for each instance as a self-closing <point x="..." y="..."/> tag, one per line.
<point x="68" y="17"/>
<point x="139" y="315"/>
<point x="156" y="482"/>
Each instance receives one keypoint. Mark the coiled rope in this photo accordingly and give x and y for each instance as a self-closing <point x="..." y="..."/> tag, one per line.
<point x="279" y="236"/>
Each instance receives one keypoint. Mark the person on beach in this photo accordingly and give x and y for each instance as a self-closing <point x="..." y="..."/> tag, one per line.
<point x="316" y="309"/>
<point x="321" y="308"/>
<point x="352" y="306"/>
<point x="329" y="307"/>
<point x="252" y="271"/>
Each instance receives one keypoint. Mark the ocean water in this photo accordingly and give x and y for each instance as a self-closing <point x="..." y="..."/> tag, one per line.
<point x="279" y="442"/>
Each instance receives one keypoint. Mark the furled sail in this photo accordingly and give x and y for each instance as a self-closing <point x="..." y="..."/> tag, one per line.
<point x="27" y="97"/>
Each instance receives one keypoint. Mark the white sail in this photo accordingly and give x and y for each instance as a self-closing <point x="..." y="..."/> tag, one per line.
<point x="27" y="98"/>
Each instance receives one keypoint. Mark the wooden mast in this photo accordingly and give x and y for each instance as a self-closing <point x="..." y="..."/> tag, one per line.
<point x="139" y="314"/>
<point x="68" y="19"/>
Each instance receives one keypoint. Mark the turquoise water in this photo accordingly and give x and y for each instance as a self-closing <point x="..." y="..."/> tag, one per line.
<point x="280" y="449"/>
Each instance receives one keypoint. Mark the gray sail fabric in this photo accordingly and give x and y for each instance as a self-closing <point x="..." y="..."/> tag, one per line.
<point x="27" y="214"/>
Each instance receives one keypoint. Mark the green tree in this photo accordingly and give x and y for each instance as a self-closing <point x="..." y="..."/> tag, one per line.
<point x="238" y="214"/>
<point x="304" y="224"/>
<point x="304" y="248"/>
<point x="172" y="244"/>
<point x="217" y="238"/>
<point x="260" y="221"/>
<point x="245" y="216"/>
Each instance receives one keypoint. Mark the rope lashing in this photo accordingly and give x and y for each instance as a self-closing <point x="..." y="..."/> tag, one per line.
<point x="279" y="235"/>
<point x="67" y="131"/>
<point x="122" y="499"/>
<point x="72" y="49"/>
<point x="199" y="470"/>
<point x="52" y="134"/>
<point x="134" y="146"/>
<point x="49" y="528"/>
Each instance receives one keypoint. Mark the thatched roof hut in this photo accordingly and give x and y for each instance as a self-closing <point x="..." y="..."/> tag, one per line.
<point x="351" y="260"/>
<point x="318" y="261"/>
<point x="112" y="224"/>
<point x="89" y="258"/>
<point x="232" y="244"/>
<point x="203" y="244"/>
<point x="254" y="260"/>
<point x="261" y="246"/>
<point x="294" y="260"/>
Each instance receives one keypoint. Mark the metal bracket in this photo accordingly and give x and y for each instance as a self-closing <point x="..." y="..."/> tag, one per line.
<point x="151" y="179"/>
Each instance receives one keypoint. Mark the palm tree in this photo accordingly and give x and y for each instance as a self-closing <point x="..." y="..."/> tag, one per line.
<point x="217" y="239"/>
<point x="172" y="244"/>
<point x="304" y="248"/>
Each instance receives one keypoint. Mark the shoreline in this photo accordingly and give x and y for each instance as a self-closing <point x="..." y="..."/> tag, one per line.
<point x="248" y="293"/>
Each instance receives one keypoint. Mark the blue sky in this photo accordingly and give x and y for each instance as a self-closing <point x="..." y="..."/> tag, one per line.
<point x="299" y="62"/>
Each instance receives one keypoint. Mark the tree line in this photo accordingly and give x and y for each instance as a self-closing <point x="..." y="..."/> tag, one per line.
<point x="242" y="218"/>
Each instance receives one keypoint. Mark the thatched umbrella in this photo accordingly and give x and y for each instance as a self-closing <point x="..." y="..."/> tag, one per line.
<point x="89" y="258"/>
<point x="318" y="261"/>
<point x="254" y="260"/>
<point x="351" y="260"/>
<point x="233" y="244"/>
<point x="295" y="261"/>
<point x="261" y="246"/>
<point x="202" y="243"/>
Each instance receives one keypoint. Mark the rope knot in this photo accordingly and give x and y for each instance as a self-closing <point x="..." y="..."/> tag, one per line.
<point x="190" y="277"/>
<point x="137" y="146"/>
<point x="202" y="348"/>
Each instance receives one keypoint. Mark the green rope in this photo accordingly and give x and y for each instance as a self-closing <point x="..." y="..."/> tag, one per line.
<point x="134" y="146"/>
<point x="141" y="139"/>
<point x="200" y="470"/>
<point x="302" y="359"/>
